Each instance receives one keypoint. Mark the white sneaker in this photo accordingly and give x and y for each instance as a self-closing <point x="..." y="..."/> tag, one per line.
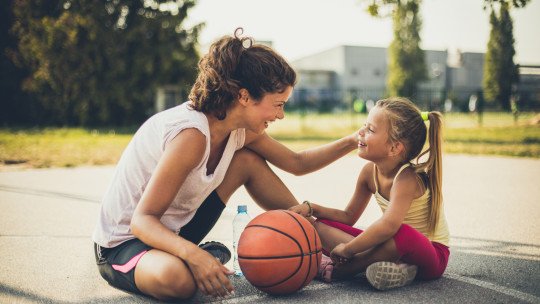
<point x="388" y="275"/>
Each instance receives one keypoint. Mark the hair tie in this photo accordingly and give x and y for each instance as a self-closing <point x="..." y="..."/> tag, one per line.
<point x="246" y="42"/>
<point x="239" y="31"/>
<point x="425" y="115"/>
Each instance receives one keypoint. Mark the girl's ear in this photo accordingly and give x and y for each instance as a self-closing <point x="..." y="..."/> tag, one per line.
<point x="243" y="97"/>
<point x="397" y="148"/>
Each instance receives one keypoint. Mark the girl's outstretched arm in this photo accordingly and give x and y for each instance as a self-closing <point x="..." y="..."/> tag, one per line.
<point x="354" y="209"/>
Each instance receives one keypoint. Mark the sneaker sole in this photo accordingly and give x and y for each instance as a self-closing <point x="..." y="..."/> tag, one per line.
<point x="388" y="275"/>
<point x="217" y="249"/>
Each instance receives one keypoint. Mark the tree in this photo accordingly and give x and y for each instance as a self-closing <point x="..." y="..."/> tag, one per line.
<point x="95" y="63"/>
<point x="500" y="73"/>
<point x="406" y="59"/>
<point x="14" y="103"/>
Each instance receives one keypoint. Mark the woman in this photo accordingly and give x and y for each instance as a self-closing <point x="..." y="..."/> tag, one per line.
<point x="183" y="164"/>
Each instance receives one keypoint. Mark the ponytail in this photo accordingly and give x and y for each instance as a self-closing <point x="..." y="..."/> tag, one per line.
<point x="408" y="125"/>
<point x="433" y="167"/>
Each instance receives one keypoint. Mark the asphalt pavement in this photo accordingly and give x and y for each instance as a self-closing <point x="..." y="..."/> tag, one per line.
<point x="492" y="206"/>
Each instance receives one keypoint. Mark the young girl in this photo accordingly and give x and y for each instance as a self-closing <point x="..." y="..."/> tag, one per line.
<point x="411" y="238"/>
<point x="182" y="166"/>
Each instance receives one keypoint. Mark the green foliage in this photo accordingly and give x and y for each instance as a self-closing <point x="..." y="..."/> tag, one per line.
<point x="13" y="103"/>
<point x="500" y="72"/>
<point x="406" y="66"/>
<point x="406" y="59"/>
<point x="514" y="3"/>
<point x="101" y="62"/>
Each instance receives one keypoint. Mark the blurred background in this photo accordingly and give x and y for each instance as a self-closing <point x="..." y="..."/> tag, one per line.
<point x="76" y="75"/>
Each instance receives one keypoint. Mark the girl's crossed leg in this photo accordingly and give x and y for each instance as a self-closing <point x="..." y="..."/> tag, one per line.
<point x="407" y="246"/>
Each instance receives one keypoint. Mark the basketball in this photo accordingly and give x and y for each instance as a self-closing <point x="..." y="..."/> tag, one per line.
<point x="279" y="252"/>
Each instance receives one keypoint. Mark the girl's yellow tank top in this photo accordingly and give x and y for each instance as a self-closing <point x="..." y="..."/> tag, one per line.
<point x="418" y="214"/>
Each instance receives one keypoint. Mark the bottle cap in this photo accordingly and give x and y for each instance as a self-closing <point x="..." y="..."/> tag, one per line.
<point x="242" y="208"/>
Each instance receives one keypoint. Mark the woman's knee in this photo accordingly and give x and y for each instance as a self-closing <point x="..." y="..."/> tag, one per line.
<point x="247" y="158"/>
<point x="178" y="281"/>
<point x="165" y="278"/>
<point x="244" y="165"/>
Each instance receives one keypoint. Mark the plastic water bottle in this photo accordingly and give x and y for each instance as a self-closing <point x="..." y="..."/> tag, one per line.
<point x="239" y="224"/>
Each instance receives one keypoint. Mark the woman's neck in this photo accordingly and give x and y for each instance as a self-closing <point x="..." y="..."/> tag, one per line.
<point x="219" y="129"/>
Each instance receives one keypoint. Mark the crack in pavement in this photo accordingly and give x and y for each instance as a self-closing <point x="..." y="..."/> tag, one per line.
<point x="47" y="193"/>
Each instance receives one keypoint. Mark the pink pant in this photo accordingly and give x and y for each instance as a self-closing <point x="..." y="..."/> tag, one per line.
<point x="413" y="248"/>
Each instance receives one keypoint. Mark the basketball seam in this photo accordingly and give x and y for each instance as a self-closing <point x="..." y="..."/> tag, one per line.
<point x="278" y="257"/>
<point x="287" y="235"/>
<point x="302" y="255"/>
<point x="309" y="246"/>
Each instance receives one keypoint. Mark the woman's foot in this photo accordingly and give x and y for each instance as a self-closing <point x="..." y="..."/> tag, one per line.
<point x="388" y="275"/>
<point x="325" y="269"/>
<point x="218" y="250"/>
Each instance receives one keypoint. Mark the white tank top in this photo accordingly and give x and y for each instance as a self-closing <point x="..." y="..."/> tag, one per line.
<point x="138" y="162"/>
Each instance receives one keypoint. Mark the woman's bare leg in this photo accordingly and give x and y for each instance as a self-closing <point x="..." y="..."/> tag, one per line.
<point x="250" y="170"/>
<point x="167" y="277"/>
<point x="164" y="276"/>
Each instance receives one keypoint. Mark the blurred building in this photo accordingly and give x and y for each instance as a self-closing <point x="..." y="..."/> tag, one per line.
<point x="529" y="87"/>
<point x="340" y="75"/>
<point x="335" y="78"/>
<point x="168" y="96"/>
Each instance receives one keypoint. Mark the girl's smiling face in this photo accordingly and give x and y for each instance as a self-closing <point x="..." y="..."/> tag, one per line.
<point x="373" y="139"/>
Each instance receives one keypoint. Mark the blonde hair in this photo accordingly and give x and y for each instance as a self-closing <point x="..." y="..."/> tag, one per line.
<point x="408" y="127"/>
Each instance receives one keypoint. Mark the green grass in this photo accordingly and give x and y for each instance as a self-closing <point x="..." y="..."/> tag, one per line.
<point x="498" y="135"/>
<point x="68" y="147"/>
<point x="60" y="147"/>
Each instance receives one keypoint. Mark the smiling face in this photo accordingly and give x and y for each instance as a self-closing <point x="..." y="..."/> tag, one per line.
<point x="267" y="110"/>
<point x="373" y="140"/>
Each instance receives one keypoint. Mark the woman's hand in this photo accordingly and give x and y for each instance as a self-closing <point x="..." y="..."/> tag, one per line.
<point x="340" y="254"/>
<point x="210" y="276"/>
<point x="353" y="138"/>
<point x="302" y="209"/>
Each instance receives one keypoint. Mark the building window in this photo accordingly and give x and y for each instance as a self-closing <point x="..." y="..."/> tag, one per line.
<point x="377" y="72"/>
<point x="354" y="72"/>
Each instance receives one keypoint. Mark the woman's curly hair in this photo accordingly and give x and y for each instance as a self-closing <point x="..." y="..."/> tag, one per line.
<point x="233" y="63"/>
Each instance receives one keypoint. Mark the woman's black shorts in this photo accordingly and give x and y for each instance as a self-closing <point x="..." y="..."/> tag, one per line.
<point x="117" y="265"/>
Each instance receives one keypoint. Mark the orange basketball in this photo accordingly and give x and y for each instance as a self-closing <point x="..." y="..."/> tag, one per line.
<point x="279" y="252"/>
